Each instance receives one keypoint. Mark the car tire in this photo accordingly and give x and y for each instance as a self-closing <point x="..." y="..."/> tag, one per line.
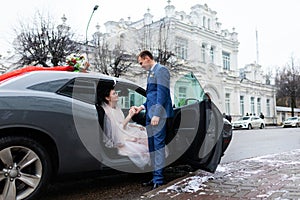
<point x="26" y="168"/>
<point x="262" y="126"/>
<point x="249" y="126"/>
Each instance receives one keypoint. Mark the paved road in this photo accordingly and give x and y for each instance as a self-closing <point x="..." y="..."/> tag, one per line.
<point x="258" y="142"/>
<point x="116" y="187"/>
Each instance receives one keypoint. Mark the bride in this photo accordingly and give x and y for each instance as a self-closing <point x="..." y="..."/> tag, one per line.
<point x="129" y="138"/>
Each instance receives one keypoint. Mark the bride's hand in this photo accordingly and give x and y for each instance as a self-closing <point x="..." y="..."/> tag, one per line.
<point x="131" y="112"/>
<point x="136" y="109"/>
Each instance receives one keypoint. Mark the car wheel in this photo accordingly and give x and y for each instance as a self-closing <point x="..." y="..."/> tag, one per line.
<point x="249" y="126"/>
<point x="25" y="168"/>
<point x="262" y="126"/>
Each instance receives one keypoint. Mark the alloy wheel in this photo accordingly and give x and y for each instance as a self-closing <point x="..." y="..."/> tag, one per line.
<point x="21" y="171"/>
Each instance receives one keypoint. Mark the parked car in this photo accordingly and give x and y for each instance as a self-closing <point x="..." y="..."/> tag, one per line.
<point x="292" y="122"/>
<point x="51" y="124"/>
<point x="248" y="122"/>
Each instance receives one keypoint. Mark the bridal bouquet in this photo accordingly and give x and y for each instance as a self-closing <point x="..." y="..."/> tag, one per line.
<point x="76" y="60"/>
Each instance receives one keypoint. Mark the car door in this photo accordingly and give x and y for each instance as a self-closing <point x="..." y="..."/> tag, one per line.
<point x="129" y="95"/>
<point x="197" y="125"/>
<point x="80" y="93"/>
<point x="256" y="122"/>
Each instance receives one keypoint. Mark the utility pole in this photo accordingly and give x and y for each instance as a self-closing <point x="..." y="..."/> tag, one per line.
<point x="257" y="53"/>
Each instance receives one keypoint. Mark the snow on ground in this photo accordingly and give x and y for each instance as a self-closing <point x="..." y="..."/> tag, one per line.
<point x="238" y="170"/>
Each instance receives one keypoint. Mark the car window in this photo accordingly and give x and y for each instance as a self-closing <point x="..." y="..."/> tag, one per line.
<point x="244" y="118"/>
<point x="187" y="91"/>
<point x="81" y="89"/>
<point x="129" y="95"/>
<point x="292" y="118"/>
<point x="49" y="86"/>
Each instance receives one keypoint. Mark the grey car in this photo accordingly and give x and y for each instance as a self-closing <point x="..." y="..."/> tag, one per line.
<point x="51" y="124"/>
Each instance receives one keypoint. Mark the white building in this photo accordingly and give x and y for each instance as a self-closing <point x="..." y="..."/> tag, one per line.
<point x="201" y="46"/>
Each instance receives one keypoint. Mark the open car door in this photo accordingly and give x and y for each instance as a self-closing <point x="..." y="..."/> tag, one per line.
<point x="197" y="126"/>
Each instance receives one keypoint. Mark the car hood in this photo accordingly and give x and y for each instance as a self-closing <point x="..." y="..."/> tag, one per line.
<point x="239" y="121"/>
<point x="289" y="121"/>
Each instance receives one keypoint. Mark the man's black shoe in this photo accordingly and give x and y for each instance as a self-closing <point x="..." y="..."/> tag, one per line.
<point x="149" y="183"/>
<point x="156" y="185"/>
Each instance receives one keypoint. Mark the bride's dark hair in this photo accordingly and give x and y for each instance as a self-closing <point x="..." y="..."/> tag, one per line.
<point x="104" y="92"/>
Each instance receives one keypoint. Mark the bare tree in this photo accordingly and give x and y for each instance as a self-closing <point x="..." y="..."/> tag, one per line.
<point x="121" y="62"/>
<point x="110" y="61"/>
<point x="157" y="38"/>
<point x="164" y="52"/>
<point x="268" y="76"/>
<point x="111" y="58"/>
<point x="101" y="54"/>
<point x="43" y="43"/>
<point x="287" y="81"/>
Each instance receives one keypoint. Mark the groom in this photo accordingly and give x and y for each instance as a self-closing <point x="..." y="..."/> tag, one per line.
<point x="158" y="108"/>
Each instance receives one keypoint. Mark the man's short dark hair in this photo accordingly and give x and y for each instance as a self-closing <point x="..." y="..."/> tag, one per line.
<point x="145" y="53"/>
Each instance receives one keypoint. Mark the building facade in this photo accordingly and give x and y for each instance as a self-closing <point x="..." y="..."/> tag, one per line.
<point x="199" y="45"/>
<point x="195" y="42"/>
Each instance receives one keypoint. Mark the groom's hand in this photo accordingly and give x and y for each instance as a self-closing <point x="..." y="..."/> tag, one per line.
<point x="137" y="109"/>
<point x="155" y="120"/>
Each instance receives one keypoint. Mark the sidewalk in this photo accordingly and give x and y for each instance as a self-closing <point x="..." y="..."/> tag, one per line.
<point x="274" y="176"/>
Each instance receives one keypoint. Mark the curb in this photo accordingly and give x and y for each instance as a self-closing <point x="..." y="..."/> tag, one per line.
<point x="152" y="193"/>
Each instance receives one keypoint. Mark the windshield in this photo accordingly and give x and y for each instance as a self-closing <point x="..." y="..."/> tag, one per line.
<point x="188" y="90"/>
<point x="244" y="118"/>
<point x="292" y="119"/>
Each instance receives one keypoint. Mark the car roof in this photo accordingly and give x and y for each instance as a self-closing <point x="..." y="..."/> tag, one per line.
<point x="35" y="77"/>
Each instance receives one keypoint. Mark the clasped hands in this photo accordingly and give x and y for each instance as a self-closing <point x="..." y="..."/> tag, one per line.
<point x="132" y="112"/>
<point x="136" y="110"/>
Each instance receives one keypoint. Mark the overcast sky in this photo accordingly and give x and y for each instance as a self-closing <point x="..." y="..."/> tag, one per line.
<point x="277" y="22"/>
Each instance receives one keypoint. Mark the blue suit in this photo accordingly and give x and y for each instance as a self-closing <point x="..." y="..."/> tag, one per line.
<point x="159" y="104"/>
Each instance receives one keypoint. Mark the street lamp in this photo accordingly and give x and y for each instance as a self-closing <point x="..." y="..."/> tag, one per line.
<point x="87" y="27"/>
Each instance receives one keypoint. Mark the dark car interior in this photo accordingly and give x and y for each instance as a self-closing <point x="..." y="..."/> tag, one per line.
<point x="186" y="131"/>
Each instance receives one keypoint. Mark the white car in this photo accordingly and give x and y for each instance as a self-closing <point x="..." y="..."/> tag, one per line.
<point x="292" y="122"/>
<point x="248" y="122"/>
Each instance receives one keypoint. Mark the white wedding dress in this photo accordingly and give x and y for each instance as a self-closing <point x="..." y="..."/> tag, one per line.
<point x="131" y="141"/>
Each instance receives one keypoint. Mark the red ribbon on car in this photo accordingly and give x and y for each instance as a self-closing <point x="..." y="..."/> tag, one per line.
<point x="23" y="70"/>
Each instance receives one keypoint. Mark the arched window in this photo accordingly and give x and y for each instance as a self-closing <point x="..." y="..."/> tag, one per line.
<point x="212" y="54"/>
<point x="203" y="53"/>
<point x="208" y="24"/>
<point x="204" y="22"/>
